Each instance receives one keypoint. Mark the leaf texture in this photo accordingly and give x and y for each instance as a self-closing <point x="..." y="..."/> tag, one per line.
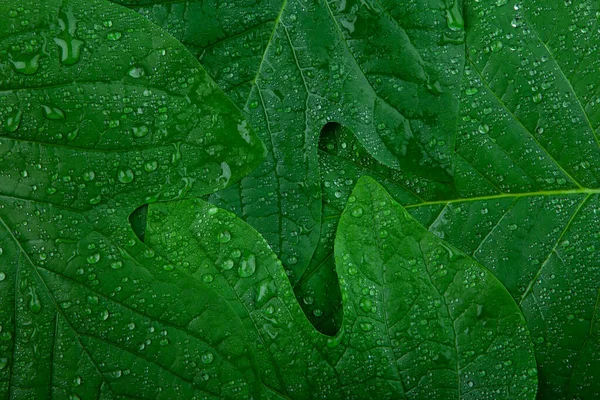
<point x="396" y="278"/>
<point x="294" y="66"/>
<point x="525" y="196"/>
<point x="102" y="112"/>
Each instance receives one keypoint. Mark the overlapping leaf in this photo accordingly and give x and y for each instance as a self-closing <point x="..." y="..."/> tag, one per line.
<point x="525" y="198"/>
<point x="293" y="66"/>
<point x="421" y="319"/>
<point x="102" y="112"/>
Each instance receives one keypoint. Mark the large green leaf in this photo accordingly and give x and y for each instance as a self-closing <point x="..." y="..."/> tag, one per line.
<point x="102" y="112"/>
<point x="524" y="202"/>
<point x="421" y="319"/>
<point x="293" y="66"/>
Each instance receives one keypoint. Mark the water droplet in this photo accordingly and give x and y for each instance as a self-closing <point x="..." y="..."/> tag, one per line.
<point x="454" y="17"/>
<point x="224" y="236"/>
<point x="53" y="113"/>
<point x="247" y="266"/>
<point x="537" y="98"/>
<point x="3" y="363"/>
<point x="116" y="374"/>
<point x="70" y="49"/>
<point x="93" y="258"/>
<point x="89" y="176"/>
<point x="34" y="304"/>
<point x="137" y="72"/>
<point x="151" y="166"/>
<point x="13" y="120"/>
<point x="104" y="315"/>
<point x="496" y="46"/>
<point x="140" y="131"/>
<point x="168" y="267"/>
<point x="207" y="358"/>
<point x="227" y="264"/>
<point x="125" y="176"/>
<point x="357" y="212"/>
<point x="115" y="35"/>
<point x="116" y="265"/>
<point x="208" y="278"/>
<point x="366" y="304"/>
<point x="2" y="276"/>
<point x="27" y="66"/>
<point x="366" y="326"/>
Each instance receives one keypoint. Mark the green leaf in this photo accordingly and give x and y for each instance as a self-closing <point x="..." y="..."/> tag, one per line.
<point x="421" y="319"/>
<point x="525" y="196"/>
<point x="293" y="66"/>
<point x="102" y="112"/>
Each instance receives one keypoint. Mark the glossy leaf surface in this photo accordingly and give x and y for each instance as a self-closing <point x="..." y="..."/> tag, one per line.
<point x="421" y="319"/>
<point x="293" y="66"/>
<point x="102" y="112"/>
<point x="525" y="197"/>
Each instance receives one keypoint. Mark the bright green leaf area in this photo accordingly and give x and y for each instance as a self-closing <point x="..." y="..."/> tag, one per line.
<point x="421" y="319"/>
<point x="525" y="199"/>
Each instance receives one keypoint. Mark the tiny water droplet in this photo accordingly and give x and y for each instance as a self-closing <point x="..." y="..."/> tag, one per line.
<point x="116" y="265"/>
<point x="207" y="358"/>
<point x="89" y="176"/>
<point x="125" y="176"/>
<point x="93" y="258"/>
<point x="366" y="326"/>
<point x="151" y="166"/>
<point x="140" y="131"/>
<point x="357" y="212"/>
<point x="227" y="264"/>
<point x="224" y="236"/>
<point x="137" y="72"/>
<point x="114" y="35"/>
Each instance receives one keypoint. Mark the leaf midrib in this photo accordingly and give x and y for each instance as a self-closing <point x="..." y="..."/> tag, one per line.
<point x="583" y="191"/>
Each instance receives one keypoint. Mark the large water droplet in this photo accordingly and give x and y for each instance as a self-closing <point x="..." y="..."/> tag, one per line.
<point x="454" y="17"/>
<point x="26" y="65"/>
<point x="140" y="131"/>
<point x="53" y="113"/>
<point x="70" y="50"/>
<point x="34" y="304"/>
<point x="125" y="176"/>
<point x="137" y="72"/>
<point x="13" y="120"/>
<point x="247" y="266"/>
<point x="224" y="236"/>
